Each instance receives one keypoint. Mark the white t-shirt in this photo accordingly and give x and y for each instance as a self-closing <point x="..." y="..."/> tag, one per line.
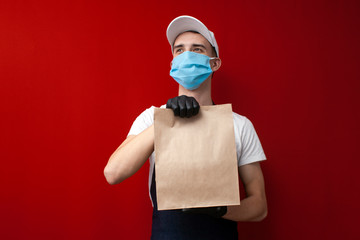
<point x="248" y="146"/>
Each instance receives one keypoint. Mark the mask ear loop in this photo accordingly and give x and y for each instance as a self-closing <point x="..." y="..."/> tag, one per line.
<point x="212" y="58"/>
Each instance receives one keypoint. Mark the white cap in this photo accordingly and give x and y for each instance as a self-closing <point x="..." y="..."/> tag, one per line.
<point x="187" y="23"/>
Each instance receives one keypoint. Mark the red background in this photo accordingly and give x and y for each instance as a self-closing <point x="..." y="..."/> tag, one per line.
<point x="75" y="74"/>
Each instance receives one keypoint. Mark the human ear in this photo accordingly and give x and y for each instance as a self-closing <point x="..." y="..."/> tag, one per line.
<point x="215" y="64"/>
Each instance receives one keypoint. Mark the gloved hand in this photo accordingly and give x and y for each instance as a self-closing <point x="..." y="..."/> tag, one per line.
<point x="216" y="212"/>
<point x="183" y="106"/>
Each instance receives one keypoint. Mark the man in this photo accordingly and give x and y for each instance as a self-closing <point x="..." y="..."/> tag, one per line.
<point x="195" y="59"/>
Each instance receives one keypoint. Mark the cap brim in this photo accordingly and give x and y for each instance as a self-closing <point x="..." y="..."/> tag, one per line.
<point x="183" y="24"/>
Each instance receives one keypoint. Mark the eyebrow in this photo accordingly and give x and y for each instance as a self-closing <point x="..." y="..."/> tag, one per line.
<point x="178" y="46"/>
<point x="198" y="45"/>
<point x="193" y="45"/>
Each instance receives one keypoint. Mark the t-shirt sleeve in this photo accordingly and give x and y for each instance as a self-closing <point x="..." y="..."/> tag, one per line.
<point x="142" y="122"/>
<point x="251" y="149"/>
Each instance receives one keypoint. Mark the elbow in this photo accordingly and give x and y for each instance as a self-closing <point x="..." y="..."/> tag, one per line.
<point x="262" y="214"/>
<point x="263" y="209"/>
<point x="110" y="176"/>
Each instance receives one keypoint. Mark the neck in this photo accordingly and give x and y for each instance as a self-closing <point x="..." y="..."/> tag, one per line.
<point x="202" y="94"/>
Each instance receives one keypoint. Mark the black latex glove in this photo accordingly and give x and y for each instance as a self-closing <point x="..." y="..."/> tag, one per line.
<point x="183" y="106"/>
<point x="216" y="212"/>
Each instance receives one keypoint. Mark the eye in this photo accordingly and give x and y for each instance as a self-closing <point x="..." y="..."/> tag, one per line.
<point x="197" y="50"/>
<point x="179" y="50"/>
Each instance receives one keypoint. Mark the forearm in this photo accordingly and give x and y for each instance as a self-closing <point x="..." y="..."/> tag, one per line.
<point x="254" y="206"/>
<point x="251" y="209"/>
<point x="130" y="156"/>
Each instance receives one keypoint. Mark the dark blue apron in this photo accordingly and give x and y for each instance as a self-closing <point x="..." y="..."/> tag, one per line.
<point x="177" y="225"/>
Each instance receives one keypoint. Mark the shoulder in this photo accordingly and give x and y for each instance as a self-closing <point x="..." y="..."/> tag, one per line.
<point x="143" y="121"/>
<point x="147" y="116"/>
<point x="241" y="121"/>
<point x="248" y="143"/>
<point x="149" y="112"/>
<point x="239" y="118"/>
<point x="243" y="127"/>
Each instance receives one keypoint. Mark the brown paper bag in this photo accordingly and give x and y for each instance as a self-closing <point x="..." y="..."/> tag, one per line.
<point x="195" y="159"/>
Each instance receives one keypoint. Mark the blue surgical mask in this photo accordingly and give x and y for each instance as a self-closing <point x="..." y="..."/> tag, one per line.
<point x="190" y="69"/>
